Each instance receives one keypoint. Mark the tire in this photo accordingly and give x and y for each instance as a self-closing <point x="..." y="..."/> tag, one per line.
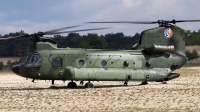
<point x="89" y="85"/>
<point x="72" y="85"/>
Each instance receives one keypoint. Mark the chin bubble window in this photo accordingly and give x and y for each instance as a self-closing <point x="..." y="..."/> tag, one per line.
<point x="57" y="62"/>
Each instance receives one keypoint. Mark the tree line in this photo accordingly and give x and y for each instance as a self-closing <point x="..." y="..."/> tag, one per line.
<point x="19" y="47"/>
<point x="192" y="37"/>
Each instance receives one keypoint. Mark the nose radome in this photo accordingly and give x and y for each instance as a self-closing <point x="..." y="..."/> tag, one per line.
<point x="15" y="69"/>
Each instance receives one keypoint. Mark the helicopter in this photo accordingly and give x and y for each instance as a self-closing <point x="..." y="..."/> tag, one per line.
<point x="159" y="52"/>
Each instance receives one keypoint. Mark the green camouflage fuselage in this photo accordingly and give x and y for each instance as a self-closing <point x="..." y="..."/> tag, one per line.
<point x="110" y="65"/>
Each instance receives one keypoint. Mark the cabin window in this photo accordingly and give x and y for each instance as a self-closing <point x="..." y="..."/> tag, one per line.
<point x="126" y="63"/>
<point x="148" y="64"/>
<point x="103" y="63"/>
<point x="81" y="62"/>
<point x="57" y="62"/>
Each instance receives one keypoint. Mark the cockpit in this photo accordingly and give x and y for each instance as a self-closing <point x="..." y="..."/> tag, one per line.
<point x="33" y="58"/>
<point x="31" y="63"/>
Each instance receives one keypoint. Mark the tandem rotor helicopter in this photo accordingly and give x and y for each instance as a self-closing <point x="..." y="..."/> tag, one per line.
<point x="159" y="52"/>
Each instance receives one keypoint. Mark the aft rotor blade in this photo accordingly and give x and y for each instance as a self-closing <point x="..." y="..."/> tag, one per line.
<point x="148" y="22"/>
<point x="129" y="22"/>
<point x="186" y="21"/>
<point x="59" y="29"/>
<point x="76" y="31"/>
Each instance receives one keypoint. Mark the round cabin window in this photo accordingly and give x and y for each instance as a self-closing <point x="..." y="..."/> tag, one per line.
<point x="148" y="64"/>
<point x="126" y="63"/>
<point x="81" y="62"/>
<point x="103" y="63"/>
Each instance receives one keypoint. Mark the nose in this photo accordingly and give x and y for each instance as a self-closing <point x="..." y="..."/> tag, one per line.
<point x="15" y="69"/>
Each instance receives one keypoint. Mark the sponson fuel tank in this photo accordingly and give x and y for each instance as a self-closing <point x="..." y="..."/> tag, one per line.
<point x="116" y="74"/>
<point x="158" y="49"/>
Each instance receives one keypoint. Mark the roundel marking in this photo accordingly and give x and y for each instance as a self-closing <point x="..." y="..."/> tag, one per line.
<point x="168" y="33"/>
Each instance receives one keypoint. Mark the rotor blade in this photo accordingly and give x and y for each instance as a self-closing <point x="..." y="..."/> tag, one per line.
<point x="59" y="29"/>
<point x="130" y="22"/>
<point x="147" y="22"/>
<point x="52" y="33"/>
<point x="8" y="38"/>
<point x="186" y="21"/>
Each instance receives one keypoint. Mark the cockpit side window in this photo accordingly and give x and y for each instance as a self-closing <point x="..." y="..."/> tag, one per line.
<point x="31" y="60"/>
<point x="57" y="62"/>
<point x="28" y="58"/>
<point x="25" y="59"/>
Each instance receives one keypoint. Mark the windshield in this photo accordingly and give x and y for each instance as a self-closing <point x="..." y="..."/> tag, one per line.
<point x="33" y="58"/>
<point x="24" y="59"/>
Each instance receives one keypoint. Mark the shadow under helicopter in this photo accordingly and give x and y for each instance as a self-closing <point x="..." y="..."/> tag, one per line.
<point x="65" y="87"/>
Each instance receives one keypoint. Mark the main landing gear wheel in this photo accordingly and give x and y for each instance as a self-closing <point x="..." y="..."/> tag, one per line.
<point x="144" y="83"/>
<point x="89" y="85"/>
<point x="72" y="85"/>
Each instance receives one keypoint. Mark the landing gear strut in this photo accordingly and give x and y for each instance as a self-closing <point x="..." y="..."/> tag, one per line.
<point x="72" y="85"/>
<point x="126" y="83"/>
<point x="81" y="82"/>
<point x="89" y="85"/>
<point x="52" y="82"/>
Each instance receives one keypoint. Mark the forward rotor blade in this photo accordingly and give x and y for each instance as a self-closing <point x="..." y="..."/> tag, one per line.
<point x="8" y="38"/>
<point x="59" y="29"/>
<point x="52" y="32"/>
<point x="76" y="31"/>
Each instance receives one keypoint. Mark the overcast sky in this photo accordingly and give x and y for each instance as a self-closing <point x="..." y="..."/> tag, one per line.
<point x="42" y="15"/>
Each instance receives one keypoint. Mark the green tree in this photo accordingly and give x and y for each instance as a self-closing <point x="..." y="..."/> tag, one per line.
<point x="4" y="51"/>
<point x="120" y="41"/>
<point x="90" y="41"/>
<point x="187" y="33"/>
<point x="19" y="50"/>
<point x="192" y="38"/>
<point x="192" y="55"/>
<point x="8" y="63"/>
<point x="1" y="65"/>
<point x="80" y="43"/>
<point x="96" y="41"/>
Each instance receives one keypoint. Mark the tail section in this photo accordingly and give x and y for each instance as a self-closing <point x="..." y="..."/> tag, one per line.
<point x="170" y="38"/>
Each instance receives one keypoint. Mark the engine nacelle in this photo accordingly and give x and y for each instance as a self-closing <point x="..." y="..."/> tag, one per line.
<point x="158" y="49"/>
